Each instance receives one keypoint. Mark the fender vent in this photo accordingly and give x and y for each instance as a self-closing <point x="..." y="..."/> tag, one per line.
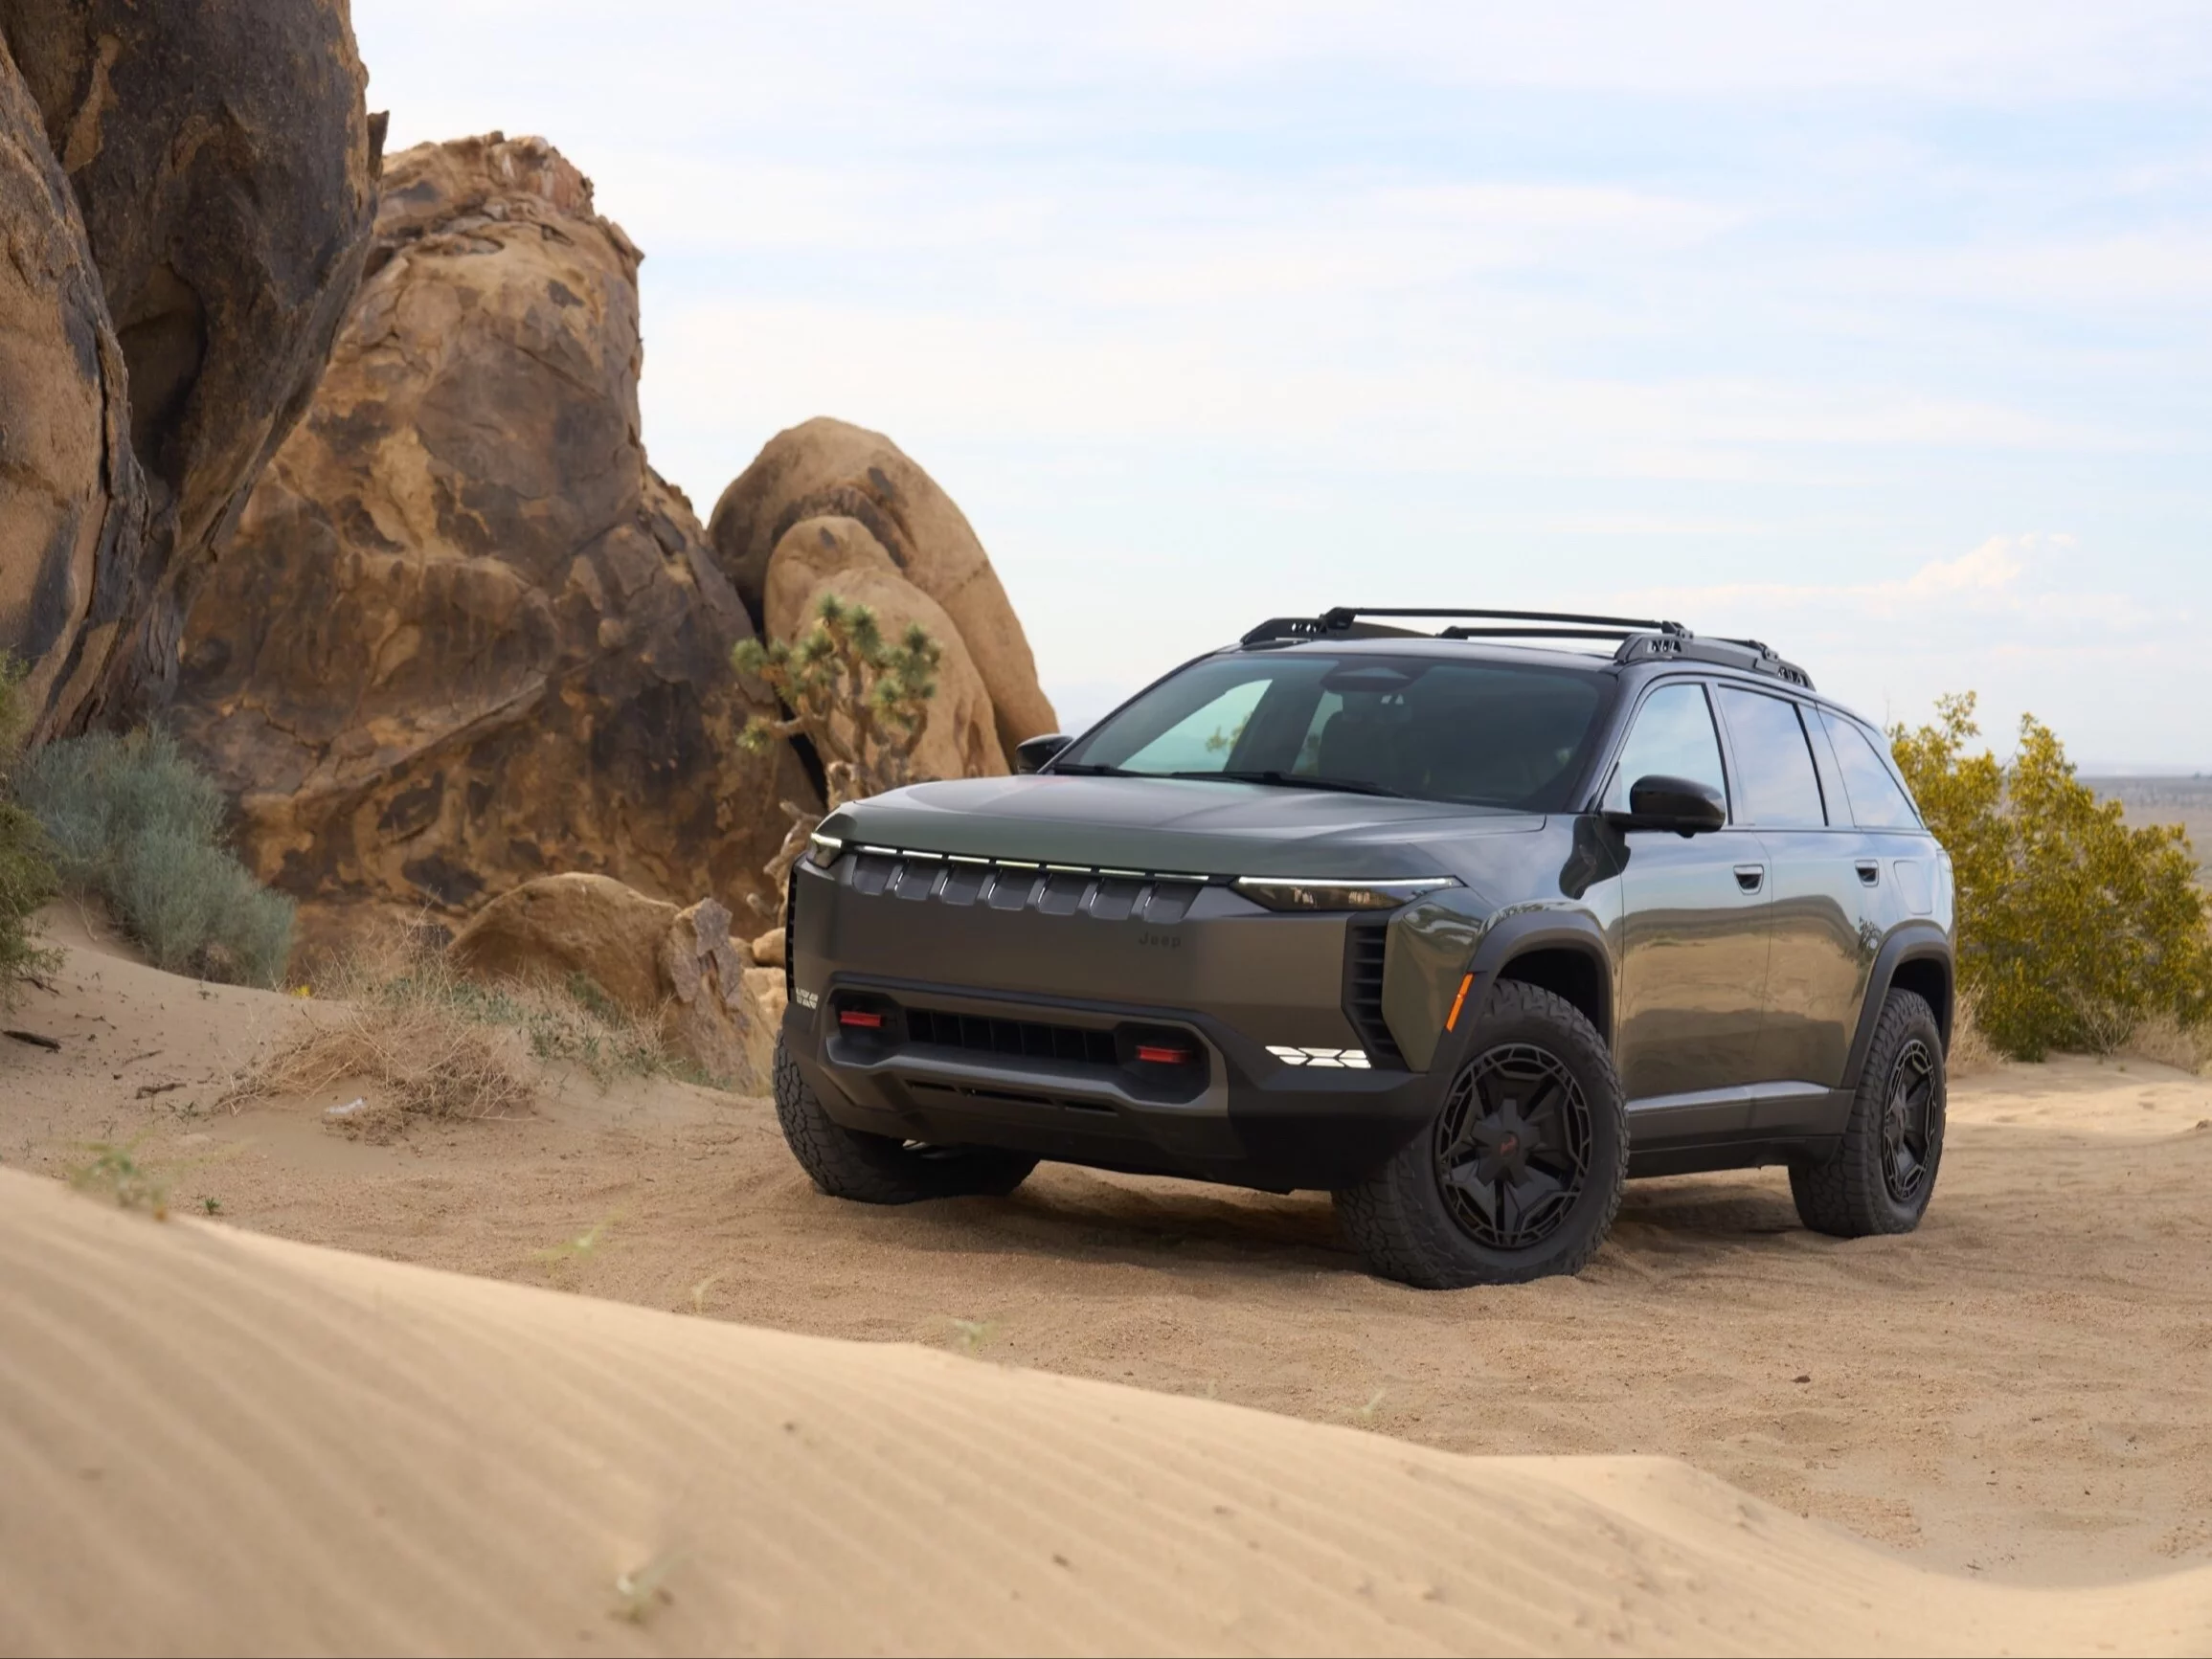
<point x="1365" y="940"/>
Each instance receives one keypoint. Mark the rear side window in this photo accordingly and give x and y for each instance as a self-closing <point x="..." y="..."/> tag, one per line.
<point x="1776" y="783"/>
<point x="1877" y="800"/>
<point x="1673" y="737"/>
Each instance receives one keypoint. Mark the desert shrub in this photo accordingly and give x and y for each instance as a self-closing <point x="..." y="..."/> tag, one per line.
<point x="2073" y="928"/>
<point x="26" y="875"/>
<point x="861" y="700"/>
<point x="135" y="823"/>
<point x="424" y="1042"/>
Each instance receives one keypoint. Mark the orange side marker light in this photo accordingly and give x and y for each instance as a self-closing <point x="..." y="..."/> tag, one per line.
<point x="1452" y="1021"/>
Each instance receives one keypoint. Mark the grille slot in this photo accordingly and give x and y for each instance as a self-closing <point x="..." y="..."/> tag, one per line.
<point x="1027" y="1039"/>
<point x="1013" y="885"/>
<point x="1366" y="938"/>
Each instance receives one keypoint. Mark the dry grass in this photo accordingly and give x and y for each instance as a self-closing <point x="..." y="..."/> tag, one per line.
<point x="2167" y="1042"/>
<point x="1970" y="1051"/>
<point x="415" y="1040"/>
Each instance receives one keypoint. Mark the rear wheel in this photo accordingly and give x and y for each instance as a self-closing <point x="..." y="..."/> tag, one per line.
<point x="874" y="1168"/>
<point x="1882" y="1173"/>
<point x="1520" y="1172"/>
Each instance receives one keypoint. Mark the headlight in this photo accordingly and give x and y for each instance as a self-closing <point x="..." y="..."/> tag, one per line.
<point x="1294" y="893"/>
<point x="823" y="850"/>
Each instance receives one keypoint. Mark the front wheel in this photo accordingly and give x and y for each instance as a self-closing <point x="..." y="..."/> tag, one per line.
<point x="1883" y="1172"/>
<point x="874" y="1168"/>
<point x="1520" y="1174"/>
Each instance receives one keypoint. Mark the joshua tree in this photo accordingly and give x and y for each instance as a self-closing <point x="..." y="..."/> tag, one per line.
<point x="860" y="700"/>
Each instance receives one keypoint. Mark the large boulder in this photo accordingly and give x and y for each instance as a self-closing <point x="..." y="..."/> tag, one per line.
<point x="828" y="469"/>
<point x="72" y="507"/>
<point x="678" y="970"/>
<point x="465" y="636"/>
<point x="225" y="167"/>
<point x="818" y="557"/>
<point x="571" y="924"/>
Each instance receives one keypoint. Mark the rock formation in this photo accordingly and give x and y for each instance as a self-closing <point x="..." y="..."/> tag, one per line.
<point x="465" y="636"/>
<point x="833" y="555"/>
<point x="223" y="166"/>
<point x="72" y="507"/>
<point x="678" y="969"/>
<point x="825" y="469"/>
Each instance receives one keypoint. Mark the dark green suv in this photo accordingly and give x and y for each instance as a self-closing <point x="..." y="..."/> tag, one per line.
<point x="1465" y="928"/>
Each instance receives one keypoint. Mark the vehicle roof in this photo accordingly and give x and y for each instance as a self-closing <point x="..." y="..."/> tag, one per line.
<point x="1397" y="643"/>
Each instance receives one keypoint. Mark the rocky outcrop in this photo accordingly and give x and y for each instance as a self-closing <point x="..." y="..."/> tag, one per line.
<point x="826" y="469"/>
<point x="818" y="557"/>
<point x="465" y="636"/>
<point x="72" y="507"/>
<point x="571" y="924"/>
<point x="679" y="969"/>
<point x="224" y="167"/>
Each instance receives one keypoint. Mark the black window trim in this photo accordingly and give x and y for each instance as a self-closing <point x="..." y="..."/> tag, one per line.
<point x="1804" y="730"/>
<point x="1611" y="764"/>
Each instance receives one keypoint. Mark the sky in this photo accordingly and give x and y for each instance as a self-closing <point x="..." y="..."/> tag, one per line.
<point x="1882" y="333"/>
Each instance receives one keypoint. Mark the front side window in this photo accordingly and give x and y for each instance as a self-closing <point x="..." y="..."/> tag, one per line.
<point x="1673" y="737"/>
<point x="1485" y="733"/>
<point x="1878" y="801"/>
<point x="1777" y="785"/>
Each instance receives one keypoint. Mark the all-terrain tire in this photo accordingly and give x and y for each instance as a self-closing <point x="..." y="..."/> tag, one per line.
<point x="1401" y="1219"/>
<point x="1855" y="1192"/>
<point x="874" y="1168"/>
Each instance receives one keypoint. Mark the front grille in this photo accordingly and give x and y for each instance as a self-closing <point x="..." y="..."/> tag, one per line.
<point x="1105" y="895"/>
<point x="1028" y="1039"/>
<point x="1366" y="938"/>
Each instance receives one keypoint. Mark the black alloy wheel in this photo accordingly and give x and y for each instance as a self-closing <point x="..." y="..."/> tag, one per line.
<point x="1520" y="1174"/>
<point x="1906" y="1119"/>
<point x="1512" y="1147"/>
<point x="1883" y="1169"/>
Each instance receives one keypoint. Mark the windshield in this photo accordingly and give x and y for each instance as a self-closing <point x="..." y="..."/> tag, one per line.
<point x="1500" y="734"/>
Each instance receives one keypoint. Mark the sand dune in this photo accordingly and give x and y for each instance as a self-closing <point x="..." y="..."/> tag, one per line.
<point x="215" y="1441"/>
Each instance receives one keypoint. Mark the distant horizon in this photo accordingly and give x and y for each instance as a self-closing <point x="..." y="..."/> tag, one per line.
<point x="1879" y="335"/>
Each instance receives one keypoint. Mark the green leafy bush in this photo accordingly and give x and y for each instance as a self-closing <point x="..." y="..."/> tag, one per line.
<point x="2073" y="929"/>
<point x="132" y="821"/>
<point x="26" y="877"/>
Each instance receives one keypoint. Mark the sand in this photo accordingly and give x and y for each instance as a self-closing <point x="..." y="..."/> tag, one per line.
<point x="213" y="1441"/>
<point x="1997" y="1427"/>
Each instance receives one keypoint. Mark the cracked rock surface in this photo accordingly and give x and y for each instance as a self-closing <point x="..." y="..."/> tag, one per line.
<point x="466" y="637"/>
<point x="222" y="168"/>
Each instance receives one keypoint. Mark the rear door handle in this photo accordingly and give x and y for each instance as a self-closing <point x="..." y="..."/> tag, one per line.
<point x="1869" y="871"/>
<point x="1750" y="877"/>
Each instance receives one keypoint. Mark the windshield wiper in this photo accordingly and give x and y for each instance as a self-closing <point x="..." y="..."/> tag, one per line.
<point x="1079" y="769"/>
<point x="1298" y="780"/>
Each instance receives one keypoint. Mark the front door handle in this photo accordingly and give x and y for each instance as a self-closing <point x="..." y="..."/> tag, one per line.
<point x="1750" y="877"/>
<point x="1869" y="871"/>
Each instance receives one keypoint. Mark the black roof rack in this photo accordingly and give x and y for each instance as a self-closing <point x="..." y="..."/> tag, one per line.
<point x="1641" y="638"/>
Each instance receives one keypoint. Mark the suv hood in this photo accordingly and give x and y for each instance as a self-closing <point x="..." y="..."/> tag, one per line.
<point x="1164" y="824"/>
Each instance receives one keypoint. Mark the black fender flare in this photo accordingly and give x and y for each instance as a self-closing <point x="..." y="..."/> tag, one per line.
<point x="1913" y="941"/>
<point x="1539" y="930"/>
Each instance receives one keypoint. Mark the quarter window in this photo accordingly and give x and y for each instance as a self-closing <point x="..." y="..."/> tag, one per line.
<point x="1876" y="800"/>
<point x="1673" y="737"/>
<point x="1777" y="785"/>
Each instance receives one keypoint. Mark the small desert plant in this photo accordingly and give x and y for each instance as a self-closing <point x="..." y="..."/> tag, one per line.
<point x="114" y="1172"/>
<point x="424" y="1042"/>
<point x="135" y="823"/>
<point x="861" y="700"/>
<point x="2073" y="928"/>
<point x="26" y="876"/>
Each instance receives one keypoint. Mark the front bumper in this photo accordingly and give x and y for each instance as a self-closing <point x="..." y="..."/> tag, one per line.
<point x="1033" y="1047"/>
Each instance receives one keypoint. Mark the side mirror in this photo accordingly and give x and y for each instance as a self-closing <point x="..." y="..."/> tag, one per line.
<point x="1680" y="804"/>
<point x="1032" y="752"/>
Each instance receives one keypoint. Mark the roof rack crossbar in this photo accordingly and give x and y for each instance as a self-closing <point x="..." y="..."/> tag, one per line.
<point x="1341" y="617"/>
<point x="1641" y="638"/>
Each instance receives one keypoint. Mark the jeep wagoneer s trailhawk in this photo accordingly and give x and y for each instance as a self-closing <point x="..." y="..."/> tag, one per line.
<point x="1461" y="927"/>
